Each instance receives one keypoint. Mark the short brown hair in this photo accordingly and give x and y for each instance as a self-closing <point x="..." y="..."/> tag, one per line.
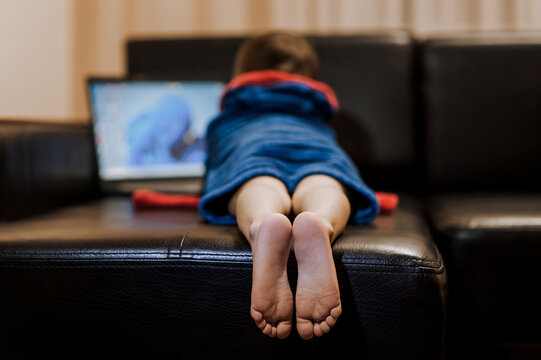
<point x="277" y="51"/>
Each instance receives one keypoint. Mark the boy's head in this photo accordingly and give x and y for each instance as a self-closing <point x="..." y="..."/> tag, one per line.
<point x="277" y="51"/>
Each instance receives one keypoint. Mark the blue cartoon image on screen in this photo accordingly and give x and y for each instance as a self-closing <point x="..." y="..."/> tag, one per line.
<point x="152" y="129"/>
<point x="159" y="135"/>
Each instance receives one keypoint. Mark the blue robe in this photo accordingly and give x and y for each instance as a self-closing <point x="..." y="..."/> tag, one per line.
<point x="281" y="130"/>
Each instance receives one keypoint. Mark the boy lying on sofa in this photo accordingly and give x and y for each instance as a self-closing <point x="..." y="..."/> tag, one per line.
<point x="276" y="170"/>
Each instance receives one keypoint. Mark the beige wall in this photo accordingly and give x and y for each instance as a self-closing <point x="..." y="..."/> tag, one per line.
<point x="36" y="59"/>
<point x="49" y="47"/>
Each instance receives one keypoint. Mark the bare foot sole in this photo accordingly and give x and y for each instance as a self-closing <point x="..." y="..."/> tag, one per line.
<point x="272" y="299"/>
<point x="318" y="296"/>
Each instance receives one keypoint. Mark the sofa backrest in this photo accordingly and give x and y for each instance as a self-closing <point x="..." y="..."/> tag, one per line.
<point x="43" y="166"/>
<point x="481" y="101"/>
<point x="372" y="76"/>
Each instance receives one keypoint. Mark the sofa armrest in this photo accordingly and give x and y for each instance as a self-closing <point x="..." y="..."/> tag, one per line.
<point x="103" y="280"/>
<point x="43" y="166"/>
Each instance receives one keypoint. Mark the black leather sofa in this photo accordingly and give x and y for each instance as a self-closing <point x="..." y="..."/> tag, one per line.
<point x="450" y="124"/>
<point x="481" y="108"/>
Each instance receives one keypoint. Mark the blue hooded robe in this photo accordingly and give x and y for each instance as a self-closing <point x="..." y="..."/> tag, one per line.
<point x="278" y="126"/>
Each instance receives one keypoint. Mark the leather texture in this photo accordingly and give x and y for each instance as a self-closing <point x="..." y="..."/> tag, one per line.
<point x="480" y="100"/>
<point x="43" y="166"/>
<point x="491" y="244"/>
<point x="481" y="104"/>
<point x="372" y="76"/>
<point x="102" y="280"/>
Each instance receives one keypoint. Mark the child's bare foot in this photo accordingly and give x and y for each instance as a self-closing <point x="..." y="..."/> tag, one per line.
<point x="272" y="299"/>
<point x="318" y="296"/>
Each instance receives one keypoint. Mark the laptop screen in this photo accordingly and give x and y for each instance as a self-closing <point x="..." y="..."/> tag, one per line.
<point x="152" y="130"/>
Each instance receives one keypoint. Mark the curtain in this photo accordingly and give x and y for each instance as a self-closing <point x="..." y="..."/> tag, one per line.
<point x="101" y="27"/>
<point x="418" y="16"/>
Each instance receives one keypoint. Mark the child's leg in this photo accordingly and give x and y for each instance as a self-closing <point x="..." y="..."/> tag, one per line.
<point x="322" y="209"/>
<point x="257" y="198"/>
<point x="326" y="197"/>
<point x="260" y="206"/>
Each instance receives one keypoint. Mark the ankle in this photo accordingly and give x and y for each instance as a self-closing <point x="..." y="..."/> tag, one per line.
<point x="253" y="231"/>
<point x="308" y="219"/>
<point x="276" y="221"/>
<point x="330" y="229"/>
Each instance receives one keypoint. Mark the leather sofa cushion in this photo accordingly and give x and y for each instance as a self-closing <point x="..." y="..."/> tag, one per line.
<point x="491" y="245"/>
<point x="481" y="104"/>
<point x="372" y="76"/>
<point x="106" y="279"/>
<point x="43" y="166"/>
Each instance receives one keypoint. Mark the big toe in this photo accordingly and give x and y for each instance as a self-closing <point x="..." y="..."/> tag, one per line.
<point x="283" y="329"/>
<point x="305" y="328"/>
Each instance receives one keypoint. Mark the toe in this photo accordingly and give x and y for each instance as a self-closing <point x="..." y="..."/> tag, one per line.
<point x="335" y="312"/>
<point x="330" y="320"/>
<point x="283" y="329"/>
<point x="325" y="328"/>
<point x="317" y="330"/>
<point x="267" y="330"/>
<point x="305" y="328"/>
<point x="262" y="324"/>
<point x="256" y="315"/>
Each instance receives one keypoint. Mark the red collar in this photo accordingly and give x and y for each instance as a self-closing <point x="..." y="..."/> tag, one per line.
<point x="268" y="77"/>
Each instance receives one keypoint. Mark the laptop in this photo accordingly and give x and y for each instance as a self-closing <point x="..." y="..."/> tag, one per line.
<point x="151" y="134"/>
